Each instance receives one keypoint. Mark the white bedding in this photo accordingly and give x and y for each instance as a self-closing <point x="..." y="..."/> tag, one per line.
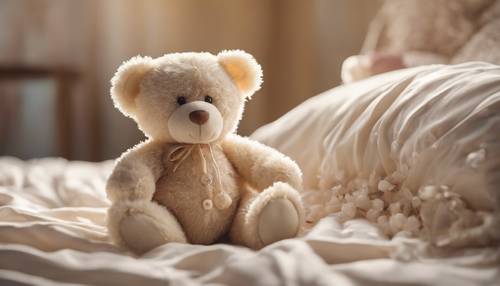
<point x="52" y="232"/>
<point x="53" y="212"/>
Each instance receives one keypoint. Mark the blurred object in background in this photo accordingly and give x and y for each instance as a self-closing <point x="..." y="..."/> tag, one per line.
<point x="300" y="44"/>
<point x="26" y="129"/>
<point x="407" y="33"/>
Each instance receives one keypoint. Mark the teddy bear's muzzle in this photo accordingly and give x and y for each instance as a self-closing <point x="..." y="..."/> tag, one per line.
<point x="196" y="122"/>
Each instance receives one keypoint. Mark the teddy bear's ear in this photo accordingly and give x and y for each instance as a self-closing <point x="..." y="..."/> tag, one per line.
<point x="243" y="70"/>
<point x="125" y="84"/>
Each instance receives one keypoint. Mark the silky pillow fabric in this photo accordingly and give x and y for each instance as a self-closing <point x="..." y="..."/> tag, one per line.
<point x="441" y="124"/>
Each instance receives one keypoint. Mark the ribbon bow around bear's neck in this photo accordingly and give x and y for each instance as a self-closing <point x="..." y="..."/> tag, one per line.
<point x="178" y="154"/>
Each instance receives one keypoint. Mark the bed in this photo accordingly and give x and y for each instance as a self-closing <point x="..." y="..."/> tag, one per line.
<point x="53" y="211"/>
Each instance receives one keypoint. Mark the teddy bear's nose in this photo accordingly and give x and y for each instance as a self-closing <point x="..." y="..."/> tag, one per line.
<point x="199" y="117"/>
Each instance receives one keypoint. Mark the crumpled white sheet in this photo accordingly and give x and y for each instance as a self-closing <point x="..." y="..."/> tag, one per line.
<point x="52" y="232"/>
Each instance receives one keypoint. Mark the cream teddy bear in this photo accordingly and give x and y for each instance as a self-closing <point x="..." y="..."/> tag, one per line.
<point x="194" y="180"/>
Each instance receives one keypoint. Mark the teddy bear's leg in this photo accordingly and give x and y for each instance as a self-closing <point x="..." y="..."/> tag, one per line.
<point x="271" y="215"/>
<point x="143" y="225"/>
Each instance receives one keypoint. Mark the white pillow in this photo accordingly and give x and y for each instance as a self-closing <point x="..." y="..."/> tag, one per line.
<point x="406" y="130"/>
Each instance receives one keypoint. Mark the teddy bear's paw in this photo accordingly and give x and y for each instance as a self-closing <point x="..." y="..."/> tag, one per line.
<point x="278" y="220"/>
<point x="140" y="233"/>
<point x="274" y="214"/>
<point x="143" y="225"/>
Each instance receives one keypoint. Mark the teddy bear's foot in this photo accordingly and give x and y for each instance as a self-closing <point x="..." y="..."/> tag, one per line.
<point x="269" y="216"/>
<point x="143" y="225"/>
<point x="278" y="220"/>
<point x="140" y="233"/>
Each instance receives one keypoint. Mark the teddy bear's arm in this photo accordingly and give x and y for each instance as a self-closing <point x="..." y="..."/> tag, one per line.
<point x="260" y="165"/>
<point x="136" y="172"/>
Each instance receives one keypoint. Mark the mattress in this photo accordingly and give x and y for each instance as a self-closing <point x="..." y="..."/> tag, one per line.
<point x="52" y="232"/>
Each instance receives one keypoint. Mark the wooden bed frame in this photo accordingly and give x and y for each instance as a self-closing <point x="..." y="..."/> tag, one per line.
<point x="64" y="79"/>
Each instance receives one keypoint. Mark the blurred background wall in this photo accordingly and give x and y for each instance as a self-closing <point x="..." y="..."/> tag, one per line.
<point x="300" y="44"/>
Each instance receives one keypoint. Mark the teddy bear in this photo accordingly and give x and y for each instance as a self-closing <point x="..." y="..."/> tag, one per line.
<point x="194" y="180"/>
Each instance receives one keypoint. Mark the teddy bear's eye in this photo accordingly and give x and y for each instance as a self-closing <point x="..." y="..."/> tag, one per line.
<point x="209" y="99"/>
<point x="181" y="100"/>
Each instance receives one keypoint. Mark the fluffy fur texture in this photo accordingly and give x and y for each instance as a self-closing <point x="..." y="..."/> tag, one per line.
<point x="196" y="181"/>
<point x="126" y="83"/>
<point x="131" y="221"/>
<point x="247" y="221"/>
<point x="241" y="67"/>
